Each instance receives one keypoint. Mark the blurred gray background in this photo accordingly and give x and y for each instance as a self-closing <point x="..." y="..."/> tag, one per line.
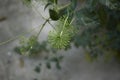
<point x="15" y="19"/>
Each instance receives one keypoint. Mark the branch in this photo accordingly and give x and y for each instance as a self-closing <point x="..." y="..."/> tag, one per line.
<point x="42" y="27"/>
<point x="16" y="37"/>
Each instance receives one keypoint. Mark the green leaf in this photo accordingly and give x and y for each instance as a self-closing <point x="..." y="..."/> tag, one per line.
<point x="53" y="14"/>
<point x="48" y="4"/>
<point x="32" y="40"/>
<point x="59" y="41"/>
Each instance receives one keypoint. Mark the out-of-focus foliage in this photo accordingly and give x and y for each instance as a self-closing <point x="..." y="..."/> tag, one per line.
<point x="95" y="27"/>
<point x="27" y="2"/>
<point x="99" y="22"/>
<point x="30" y="46"/>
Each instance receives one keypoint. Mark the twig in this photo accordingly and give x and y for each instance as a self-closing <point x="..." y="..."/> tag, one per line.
<point x="51" y="25"/>
<point x="42" y="27"/>
<point x="16" y="37"/>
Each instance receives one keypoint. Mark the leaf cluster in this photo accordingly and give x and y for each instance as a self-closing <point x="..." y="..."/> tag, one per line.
<point x="30" y="46"/>
<point x="97" y="24"/>
<point x="100" y="32"/>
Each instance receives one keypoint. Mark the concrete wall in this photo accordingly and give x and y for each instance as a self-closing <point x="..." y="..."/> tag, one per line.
<point x="20" y="19"/>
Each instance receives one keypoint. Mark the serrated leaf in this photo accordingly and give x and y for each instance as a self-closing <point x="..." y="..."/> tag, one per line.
<point x="53" y="14"/>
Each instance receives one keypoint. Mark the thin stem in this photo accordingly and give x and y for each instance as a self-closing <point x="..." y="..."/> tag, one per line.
<point x="72" y="20"/>
<point x="16" y="37"/>
<point x="64" y="6"/>
<point x="64" y="25"/>
<point x="42" y="27"/>
<point x="65" y="21"/>
<point x="51" y="25"/>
